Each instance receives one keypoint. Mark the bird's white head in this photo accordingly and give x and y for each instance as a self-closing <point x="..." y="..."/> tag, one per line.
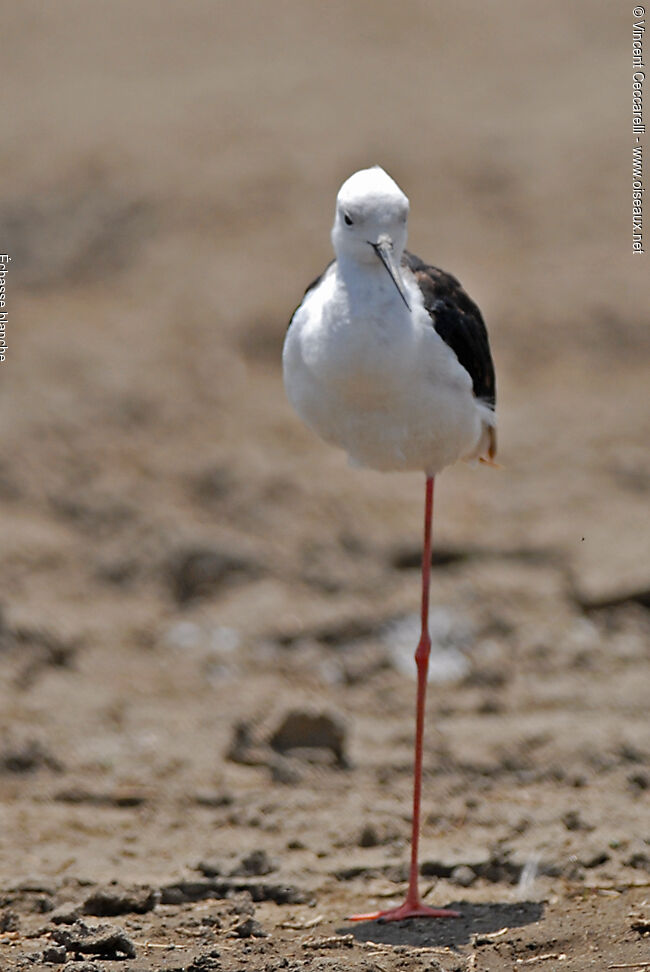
<point x="371" y="222"/>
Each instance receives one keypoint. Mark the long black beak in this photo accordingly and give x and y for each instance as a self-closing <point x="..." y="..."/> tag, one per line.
<point x="384" y="250"/>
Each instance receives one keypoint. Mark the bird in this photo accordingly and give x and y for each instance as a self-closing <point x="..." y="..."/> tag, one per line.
<point x="388" y="358"/>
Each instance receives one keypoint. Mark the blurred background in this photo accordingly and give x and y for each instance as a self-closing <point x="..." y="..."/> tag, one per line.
<point x="183" y="563"/>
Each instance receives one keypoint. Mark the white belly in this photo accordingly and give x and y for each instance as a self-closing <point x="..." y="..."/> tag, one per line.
<point x="384" y="387"/>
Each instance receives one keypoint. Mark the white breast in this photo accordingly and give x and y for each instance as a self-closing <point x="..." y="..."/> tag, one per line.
<point x="377" y="380"/>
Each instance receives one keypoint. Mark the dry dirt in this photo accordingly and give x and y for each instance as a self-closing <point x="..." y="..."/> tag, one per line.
<point x="184" y="565"/>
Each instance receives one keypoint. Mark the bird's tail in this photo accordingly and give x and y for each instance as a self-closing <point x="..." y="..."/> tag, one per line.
<point x="490" y="433"/>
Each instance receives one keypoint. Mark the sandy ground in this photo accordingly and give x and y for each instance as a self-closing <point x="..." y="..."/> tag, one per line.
<point x="184" y="565"/>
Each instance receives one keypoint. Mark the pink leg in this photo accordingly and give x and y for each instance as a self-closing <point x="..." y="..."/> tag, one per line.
<point x="413" y="907"/>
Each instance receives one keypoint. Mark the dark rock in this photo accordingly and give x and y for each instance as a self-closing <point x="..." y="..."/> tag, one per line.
<point x="306" y="730"/>
<point x="255" y="864"/>
<point x="318" y="738"/>
<point x="104" y="940"/>
<point x="184" y="891"/>
<point x="79" y="795"/>
<point x="201" y="571"/>
<point x="9" y="921"/>
<point x="65" y="914"/>
<point x="55" y="954"/>
<point x="211" y="921"/>
<point x="42" y="904"/>
<point x="595" y="859"/>
<point x="282" y="894"/>
<point x="440" y="869"/>
<point x="639" y="860"/>
<point x="490" y="706"/>
<point x="573" y="821"/>
<point x="497" y="869"/>
<point x="109" y="901"/>
<point x="369" y="836"/>
<point x="355" y="871"/>
<point x="27" y="757"/>
<point x="639" y="781"/>
<point x="249" y="928"/>
<point x="210" y="868"/>
<point x="640" y="925"/>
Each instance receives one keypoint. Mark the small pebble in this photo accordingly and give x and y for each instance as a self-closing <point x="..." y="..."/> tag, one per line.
<point x="9" y="921"/>
<point x="110" y="901"/>
<point x="595" y="859"/>
<point x="65" y="914"/>
<point x="241" y="903"/>
<point x="81" y="967"/>
<point x="256" y="864"/>
<point x="573" y="821"/>
<point x="55" y="954"/>
<point x="249" y="928"/>
<point x="311" y="730"/>
<point x="369" y="836"/>
<point x="296" y="844"/>
<point x="463" y="875"/>
<point x="283" y="771"/>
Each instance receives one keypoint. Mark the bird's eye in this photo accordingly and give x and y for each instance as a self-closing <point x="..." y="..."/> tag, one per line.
<point x="347" y="219"/>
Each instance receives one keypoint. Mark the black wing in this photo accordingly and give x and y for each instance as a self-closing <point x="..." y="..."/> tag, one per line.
<point x="458" y="321"/>
<point x="311" y="286"/>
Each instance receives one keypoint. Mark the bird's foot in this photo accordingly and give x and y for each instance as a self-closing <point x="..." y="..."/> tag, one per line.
<point x="410" y="909"/>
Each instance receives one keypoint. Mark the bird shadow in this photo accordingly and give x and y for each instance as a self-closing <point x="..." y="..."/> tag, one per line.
<point x="475" y="920"/>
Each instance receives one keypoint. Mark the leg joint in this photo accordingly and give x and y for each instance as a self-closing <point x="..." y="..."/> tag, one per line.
<point x="423" y="650"/>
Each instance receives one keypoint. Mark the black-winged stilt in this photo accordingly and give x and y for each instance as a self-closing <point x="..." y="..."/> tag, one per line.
<point x="388" y="358"/>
